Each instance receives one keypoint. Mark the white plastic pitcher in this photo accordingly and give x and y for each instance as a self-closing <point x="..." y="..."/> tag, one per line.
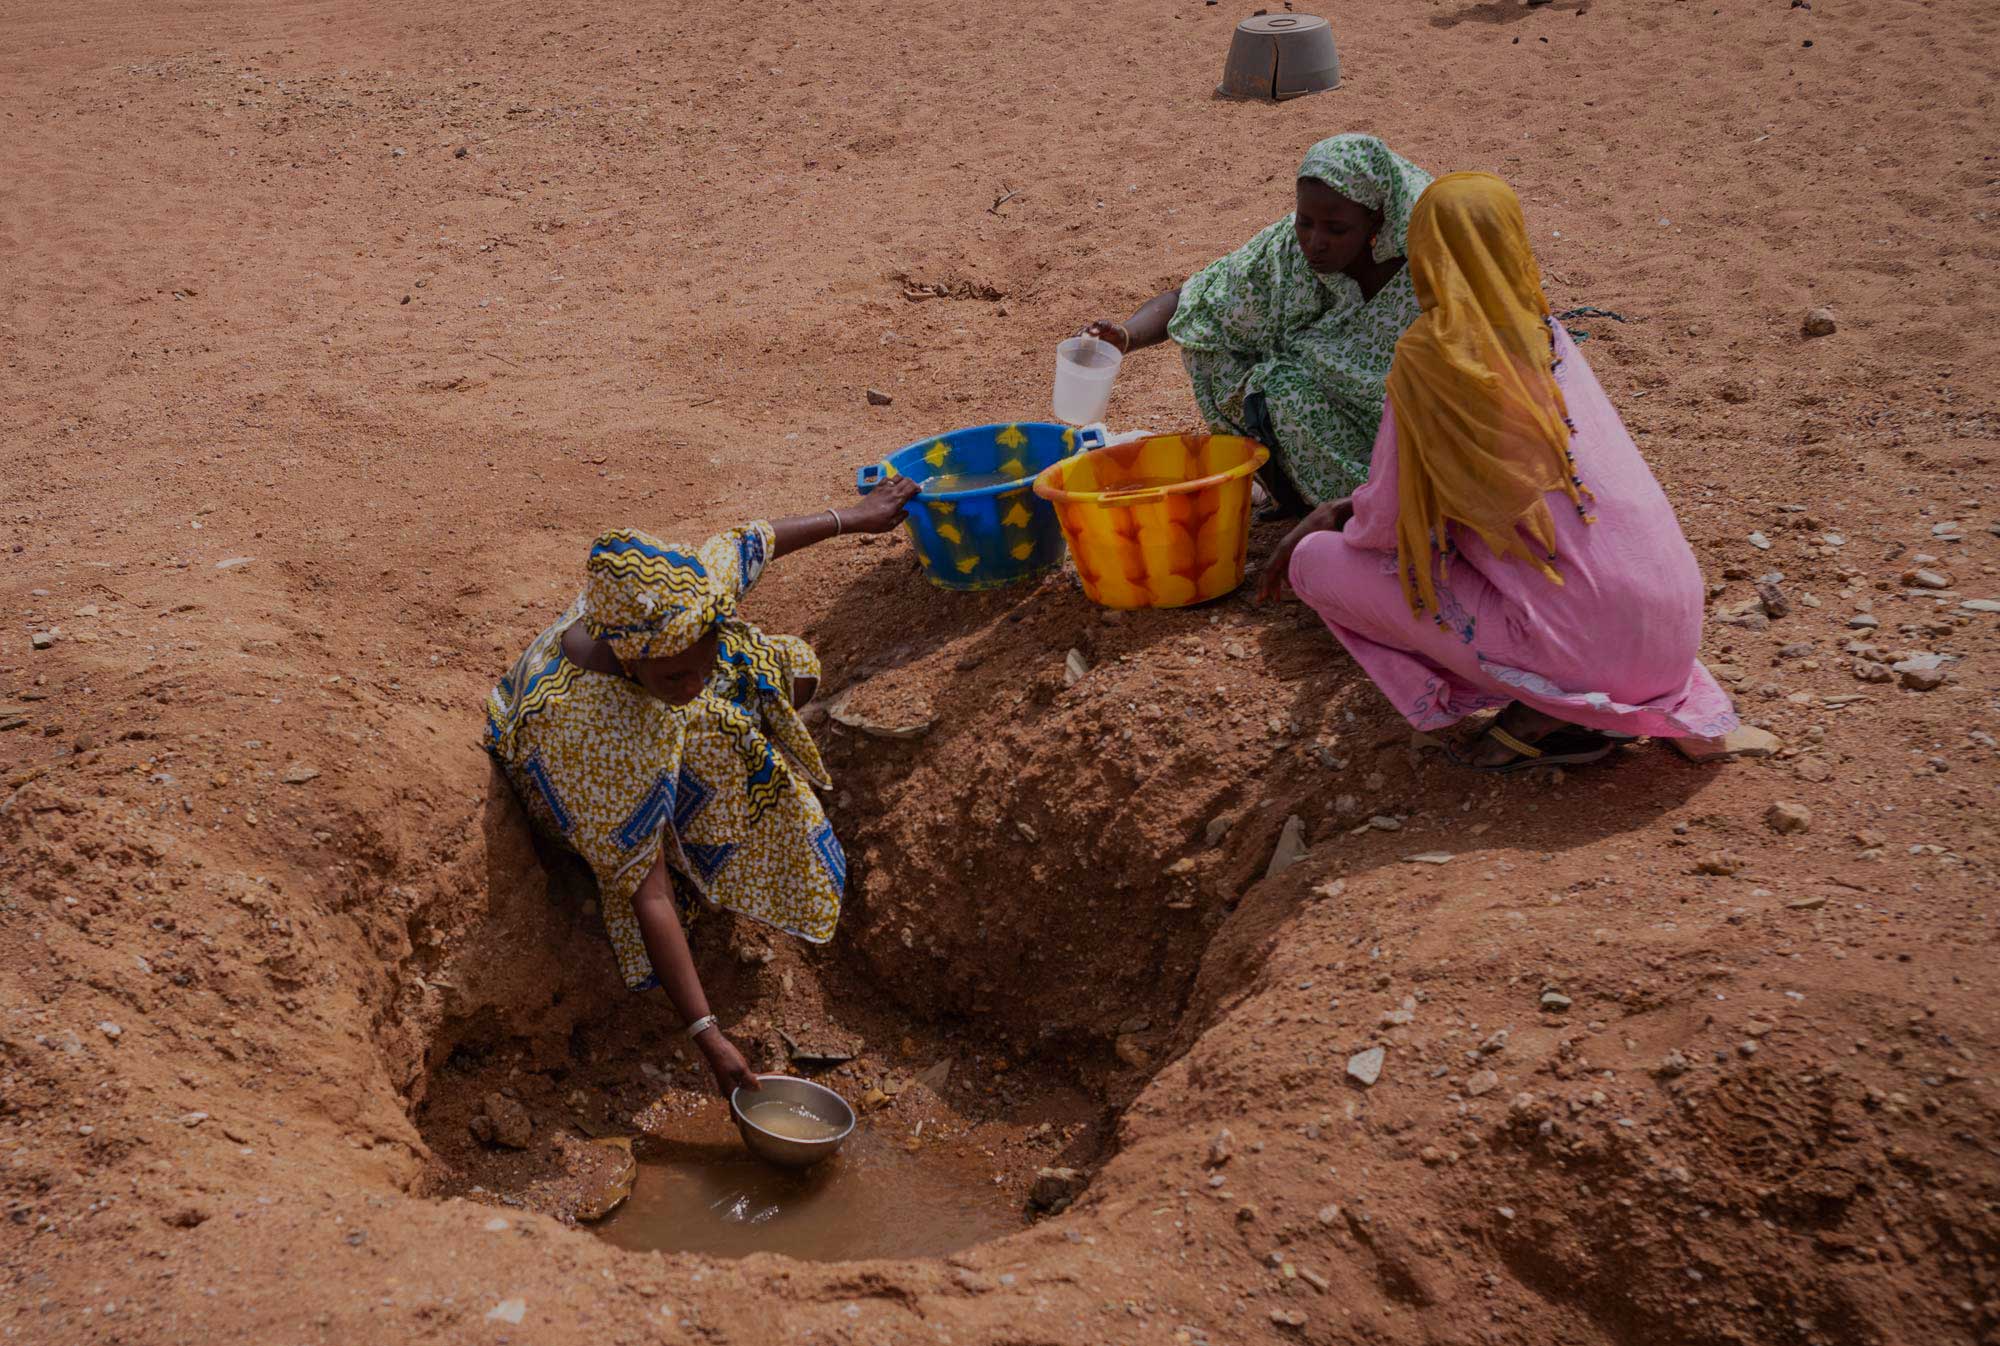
<point x="1085" y="371"/>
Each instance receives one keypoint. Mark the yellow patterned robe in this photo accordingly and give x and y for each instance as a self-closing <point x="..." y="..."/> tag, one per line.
<point x="722" y="785"/>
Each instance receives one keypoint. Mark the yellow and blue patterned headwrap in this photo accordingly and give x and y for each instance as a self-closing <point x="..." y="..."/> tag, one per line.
<point x="647" y="598"/>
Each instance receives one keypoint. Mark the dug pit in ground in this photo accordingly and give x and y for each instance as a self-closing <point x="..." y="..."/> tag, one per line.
<point x="988" y="1029"/>
<point x="1564" y="1123"/>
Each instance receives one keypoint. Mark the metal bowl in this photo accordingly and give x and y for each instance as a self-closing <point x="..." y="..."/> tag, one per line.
<point x="816" y="1099"/>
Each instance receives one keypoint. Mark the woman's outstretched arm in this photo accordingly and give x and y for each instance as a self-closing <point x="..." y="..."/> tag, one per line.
<point x="1146" y="327"/>
<point x="876" y="512"/>
<point x="666" y="945"/>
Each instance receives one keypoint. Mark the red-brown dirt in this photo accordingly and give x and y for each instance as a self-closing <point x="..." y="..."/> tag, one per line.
<point x="404" y="303"/>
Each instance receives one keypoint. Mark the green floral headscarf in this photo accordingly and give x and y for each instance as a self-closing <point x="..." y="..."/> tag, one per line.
<point x="1261" y="320"/>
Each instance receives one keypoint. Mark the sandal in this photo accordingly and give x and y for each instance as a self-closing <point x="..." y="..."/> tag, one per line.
<point x="1571" y="746"/>
<point x="1263" y="509"/>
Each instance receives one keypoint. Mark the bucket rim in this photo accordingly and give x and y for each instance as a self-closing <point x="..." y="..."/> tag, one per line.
<point x="998" y="488"/>
<point x="1047" y="490"/>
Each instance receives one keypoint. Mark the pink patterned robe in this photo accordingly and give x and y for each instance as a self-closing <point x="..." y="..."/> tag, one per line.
<point x="1614" y="647"/>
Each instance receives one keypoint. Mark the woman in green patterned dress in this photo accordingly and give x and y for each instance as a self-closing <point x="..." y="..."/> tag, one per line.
<point x="1288" y="339"/>
<point x="653" y="732"/>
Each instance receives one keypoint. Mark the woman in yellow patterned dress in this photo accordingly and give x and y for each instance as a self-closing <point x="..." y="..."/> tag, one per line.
<point x="656" y="734"/>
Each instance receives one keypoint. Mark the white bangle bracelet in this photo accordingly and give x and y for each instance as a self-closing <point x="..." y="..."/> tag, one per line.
<point x="701" y="1025"/>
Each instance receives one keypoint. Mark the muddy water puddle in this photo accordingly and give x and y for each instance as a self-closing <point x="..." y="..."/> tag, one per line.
<point x="872" y="1199"/>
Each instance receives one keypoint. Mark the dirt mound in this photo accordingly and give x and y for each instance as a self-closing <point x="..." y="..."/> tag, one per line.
<point x="333" y="338"/>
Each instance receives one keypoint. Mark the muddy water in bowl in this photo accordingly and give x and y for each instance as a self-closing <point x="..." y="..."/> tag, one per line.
<point x="783" y="1118"/>
<point x="873" y="1199"/>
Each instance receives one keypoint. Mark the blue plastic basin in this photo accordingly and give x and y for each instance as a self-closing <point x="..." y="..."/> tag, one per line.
<point x="990" y="536"/>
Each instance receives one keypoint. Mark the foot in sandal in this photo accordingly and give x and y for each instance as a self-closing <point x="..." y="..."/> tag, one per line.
<point x="1522" y="737"/>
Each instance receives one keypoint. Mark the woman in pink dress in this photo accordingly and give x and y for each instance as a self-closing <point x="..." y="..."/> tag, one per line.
<point x="1510" y="548"/>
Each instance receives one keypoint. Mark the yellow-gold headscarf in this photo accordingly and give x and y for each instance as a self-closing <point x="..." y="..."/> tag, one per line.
<point x="649" y="599"/>
<point x="1482" y="432"/>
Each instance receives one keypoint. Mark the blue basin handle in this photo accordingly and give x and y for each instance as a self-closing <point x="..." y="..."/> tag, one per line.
<point x="1086" y="440"/>
<point x="868" y="478"/>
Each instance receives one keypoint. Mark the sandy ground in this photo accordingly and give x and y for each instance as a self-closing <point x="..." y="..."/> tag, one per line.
<point x="331" y="334"/>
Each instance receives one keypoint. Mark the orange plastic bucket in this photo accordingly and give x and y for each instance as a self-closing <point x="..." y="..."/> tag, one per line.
<point x="1159" y="522"/>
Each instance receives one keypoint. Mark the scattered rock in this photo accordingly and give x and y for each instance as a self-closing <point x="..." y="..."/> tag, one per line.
<point x="234" y="562"/>
<point x="1926" y="579"/>
<point x="111" y="1030"/>
<point x="1495" y="1043"/>
<point x="1555" y="1002"/>
<point x="1720" y="863"/>
<point x="508" y="1121"/>
<point x="1382" y="822"/>
<point x="1291" y="847"/>
<point x="1867" y="670"/>
<point x="1813" y="903"/>
<point x="42" y="640"/>
<point x="1813" y="769"/>
<point x="1482" y="1082"/>
<point x="1671" y="1065"/>
<point x="1221" y="1149"/>
<point x="1786" y="818"/>
<point x="1742" y="741"/>
<point x="1366" y="1067"/>
<point x="1747" y="1047"/>
<point x="1075" y="667"/>
<point x="1288" y="1318"/>
<point x="1981" y="605"/>
<point x="878" y="398"/>
<point x="1922" y="679"/>
<point x="298" y="773"/>
<point x="1774" y="600"/>
<point x="1429" y="858"/>
<point x="608" y="1189"/>
<point x="507" y="1310"/>
<point x="193" y="1118"/>
<point x="1329" y="1215"/>
<point x="1863" y="621"/>
<point x="1760" y="542"/>
<point x="1055" y="1188"/>
<point x="854" y="720"/>
<point x="1818" y="323"/>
